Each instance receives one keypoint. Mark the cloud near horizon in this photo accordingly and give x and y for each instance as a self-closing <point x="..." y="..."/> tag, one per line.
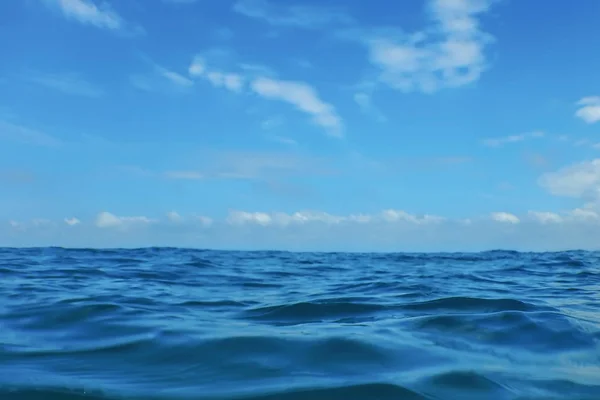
<point x="388" y="230"/>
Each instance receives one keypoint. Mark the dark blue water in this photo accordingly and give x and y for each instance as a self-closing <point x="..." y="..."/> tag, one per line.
<point x="185" y="324"/>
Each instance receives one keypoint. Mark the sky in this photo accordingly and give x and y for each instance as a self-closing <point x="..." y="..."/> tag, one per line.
<point x="329" y="125"/>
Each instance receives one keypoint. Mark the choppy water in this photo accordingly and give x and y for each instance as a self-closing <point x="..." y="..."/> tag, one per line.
<point x="184" y="324"/>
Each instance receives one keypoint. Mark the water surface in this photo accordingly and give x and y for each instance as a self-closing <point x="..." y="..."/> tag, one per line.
<point x="165" y="323"/>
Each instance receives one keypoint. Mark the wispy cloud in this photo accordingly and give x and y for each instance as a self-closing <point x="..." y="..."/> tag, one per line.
<point x="21" y="134"/>
<point x="294" y="15"/>
<point x="449" y="54"/>
<point x="364" y="101"/>
<point x="537" y="160"/>
<point x="284" y="140"/>
<point x="302" y="96"/>
<point x="161" y="79"/>
<point x="272" y="122"/>
<point x="299" y="94"/>
<point x="175" y="77"/>
<point x="589" y="109"/>
<point x="87" y="12"/>
<point x="70" y="84"/>
<point x="500" y="141"/>
<point x="247" y="165"/>
<point x="221" y="79"/>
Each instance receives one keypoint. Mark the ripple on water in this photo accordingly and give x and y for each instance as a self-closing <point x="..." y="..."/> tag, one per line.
<point x="164" y="323"/>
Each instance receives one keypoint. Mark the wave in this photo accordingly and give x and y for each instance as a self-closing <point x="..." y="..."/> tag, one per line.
<point x="473" y="304"/>
<point x="166" y="323"/>
<point x="312" y="311"/>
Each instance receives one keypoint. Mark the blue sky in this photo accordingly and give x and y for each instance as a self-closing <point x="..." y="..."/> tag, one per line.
<point x="305" y="125"/>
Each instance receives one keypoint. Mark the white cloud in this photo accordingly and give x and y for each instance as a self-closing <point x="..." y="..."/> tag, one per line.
<point x="545" y="217"/>
<point x="72" y="221"/>
<point x="589" y="110"/>
<point x="584" y="214"/>
<point x="233" y="82"/>
<point x="108" y="220"/>
<point x="21" y="134"/>
<point x="66" y="83"/>
<point x="305" y="217"/>
<point x="497" y="142"/>
<point x="304" y="97"/>
<point x="243" y="217"/>
<point x="581" y="180"/>
<point x="174" y="217"/>
<point x="449" y="55"/>
<point x="505" y="217"/>
<point x="87" y="12"/>
<point x="399" y="215"/>
<point x="301" y="16"/>
<point x="197" y="67"/>
<point x="230" y="81"/>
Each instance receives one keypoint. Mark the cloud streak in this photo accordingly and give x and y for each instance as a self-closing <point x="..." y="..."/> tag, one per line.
<point x="24" y="135"/>
<point x="304" y="98"/>
<point x="87" y="12"/>
<point x="242" y="165"/>
<point x="70" y="84"/>
<point x="501" y="141"/>
<point x="295" y="15"/>
<point x="175" y="77"/>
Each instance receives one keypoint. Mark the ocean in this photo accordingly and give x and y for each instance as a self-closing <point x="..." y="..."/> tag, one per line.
<point x="166" y="323"/>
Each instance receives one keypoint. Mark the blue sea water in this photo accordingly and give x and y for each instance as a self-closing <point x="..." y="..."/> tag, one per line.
<point x="163" y="323"/>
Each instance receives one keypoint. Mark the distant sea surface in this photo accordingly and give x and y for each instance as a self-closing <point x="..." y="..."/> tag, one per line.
<point x="164" y="323"/>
